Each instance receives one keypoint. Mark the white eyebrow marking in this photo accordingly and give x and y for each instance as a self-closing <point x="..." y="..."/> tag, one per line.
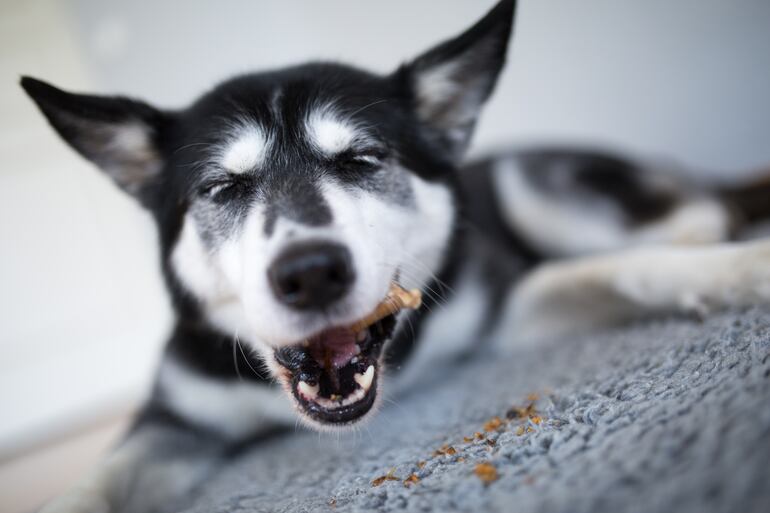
<point x="247" y="150"/>
<point x="329" y="133"/>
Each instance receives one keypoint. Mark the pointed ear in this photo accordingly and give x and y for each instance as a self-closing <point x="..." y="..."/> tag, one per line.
<point x="451" y="82"/>
<point x="119" y="135"/>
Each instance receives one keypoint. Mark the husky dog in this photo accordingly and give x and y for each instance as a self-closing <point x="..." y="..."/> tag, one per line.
<point x="289" y="201"/>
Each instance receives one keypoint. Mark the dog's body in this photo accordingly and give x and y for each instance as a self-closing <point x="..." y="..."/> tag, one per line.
<point x="288" y="202"/>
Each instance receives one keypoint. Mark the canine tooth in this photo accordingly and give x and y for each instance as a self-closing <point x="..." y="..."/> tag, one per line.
<point x="354" y="359"/>
<point x="365" y="380"/>
<point x="308" y="391"/>
<point x="358" y="349"/>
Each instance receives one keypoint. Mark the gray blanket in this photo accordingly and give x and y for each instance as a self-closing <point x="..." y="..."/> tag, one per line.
<point x="672" y="415"/>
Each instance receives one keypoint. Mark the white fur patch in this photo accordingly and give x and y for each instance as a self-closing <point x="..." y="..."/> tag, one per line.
<point x="234" y="409"/>
<point x="131" y="138"/>
<point x="330" y="134"/>
<point x="436" y="86"/>
<point x="246" y="151"/>
<point x="555" y="227"/>
<point x="449" y="103"/>
<point x="130" y="156"/>
<point x="206" y="277"/>
<point x="190" y="261"/>
<point x="561" y="228"/>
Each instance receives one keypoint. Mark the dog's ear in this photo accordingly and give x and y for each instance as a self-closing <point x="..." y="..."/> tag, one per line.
<point x="118" y="134"/>
<point x="450" y="82"/>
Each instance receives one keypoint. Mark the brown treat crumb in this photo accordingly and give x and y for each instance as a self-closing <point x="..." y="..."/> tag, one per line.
<point x="486" y="472"/>
<point x="491" y="442"/>
<point x="333" y="502"/>
<point x="445" y="450"/>
<point x="387" y="477"/>
<point x="467" y="439"/>
<point x="529" y="429"/>
<point x="493" y="424"/>
<point x="420" y="464"/>
<point x="520" y="431"/>
<point x="412" y="479"/>
<point x="478" y="436"/>
<point x="537" y="419"/>
<point x="520" y="413"/>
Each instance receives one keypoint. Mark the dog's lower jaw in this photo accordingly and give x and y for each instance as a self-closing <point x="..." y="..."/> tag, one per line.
<point x="332" y="391"/>
<point x="358" y="411"/>
<point x="347" y="416"/>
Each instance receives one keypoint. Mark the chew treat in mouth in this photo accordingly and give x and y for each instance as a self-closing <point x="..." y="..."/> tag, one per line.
<point x="333" y="374"/>
<point x="397" y="299"/>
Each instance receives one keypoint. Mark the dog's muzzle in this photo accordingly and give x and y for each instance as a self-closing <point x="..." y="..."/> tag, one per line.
<point x="333" y="376"/>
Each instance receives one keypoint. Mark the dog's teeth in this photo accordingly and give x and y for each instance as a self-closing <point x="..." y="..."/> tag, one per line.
<point x="358" y="349"/>
<point x="361" y="336"/>
<point x="311" y="392"/>
<point x="354" y="359"/>
<point x="365" y="380"/>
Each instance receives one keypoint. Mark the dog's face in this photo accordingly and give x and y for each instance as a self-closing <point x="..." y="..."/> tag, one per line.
<point x="289" y="201"/>
<point x="304" y="206"/>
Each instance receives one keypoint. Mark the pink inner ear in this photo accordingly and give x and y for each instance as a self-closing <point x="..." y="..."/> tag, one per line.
<point x="338" y="345"/>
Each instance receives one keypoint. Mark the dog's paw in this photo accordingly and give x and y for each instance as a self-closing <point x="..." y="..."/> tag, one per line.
<point x="694" y="306"/>
<point x="77" y="501"/>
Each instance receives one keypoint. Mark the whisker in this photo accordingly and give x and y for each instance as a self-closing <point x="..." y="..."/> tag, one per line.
<point x="376" y="102"/>
<point x="191" y="145"/>
<point x="248" y="362"/>
<point x="235" y="357"/>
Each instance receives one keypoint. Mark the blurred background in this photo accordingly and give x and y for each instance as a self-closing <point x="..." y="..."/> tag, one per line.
<point x="82" y="308"/>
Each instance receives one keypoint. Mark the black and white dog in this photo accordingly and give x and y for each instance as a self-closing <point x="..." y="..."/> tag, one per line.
<point x="287" y="203"/>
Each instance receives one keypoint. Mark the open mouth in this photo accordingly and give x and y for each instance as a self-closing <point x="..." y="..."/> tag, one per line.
<point x="333" y="375"/>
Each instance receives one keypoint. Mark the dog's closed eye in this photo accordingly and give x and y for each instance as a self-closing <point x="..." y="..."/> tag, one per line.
<point x="359" y="160"/>
<point x="222" y="190"/>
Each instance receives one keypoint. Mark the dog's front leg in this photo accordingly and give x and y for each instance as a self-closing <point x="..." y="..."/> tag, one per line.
<point x="159" y="461"/>
<point x="566" y="297"/>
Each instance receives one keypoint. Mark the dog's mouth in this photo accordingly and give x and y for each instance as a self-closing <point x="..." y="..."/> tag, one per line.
<point x="333" y="376"/>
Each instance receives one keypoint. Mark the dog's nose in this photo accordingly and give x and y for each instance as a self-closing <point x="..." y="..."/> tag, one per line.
<point x="311" y="275"/>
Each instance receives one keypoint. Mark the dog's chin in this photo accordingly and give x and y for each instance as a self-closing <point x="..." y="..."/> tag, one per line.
<point x="333" y="377"/>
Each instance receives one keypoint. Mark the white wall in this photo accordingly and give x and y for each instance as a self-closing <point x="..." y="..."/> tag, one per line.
<point x="686" y="78"/>
<point x="82" y="310"/>
<point x="81" y="307"/>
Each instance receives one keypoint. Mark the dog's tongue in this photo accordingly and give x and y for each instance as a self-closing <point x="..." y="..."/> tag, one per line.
<point x="334" y="347"/>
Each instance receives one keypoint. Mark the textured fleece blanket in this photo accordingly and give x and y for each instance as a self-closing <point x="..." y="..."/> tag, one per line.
<point x="670" y="415"/>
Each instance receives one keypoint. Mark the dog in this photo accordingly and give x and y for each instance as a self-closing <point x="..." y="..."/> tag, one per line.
<point x="288" y="202"/>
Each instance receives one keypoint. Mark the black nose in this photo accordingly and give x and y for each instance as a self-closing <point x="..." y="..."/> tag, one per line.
<point x="311" y="275"/>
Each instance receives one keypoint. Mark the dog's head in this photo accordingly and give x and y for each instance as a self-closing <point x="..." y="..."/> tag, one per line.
<point x="289" y="201"/>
